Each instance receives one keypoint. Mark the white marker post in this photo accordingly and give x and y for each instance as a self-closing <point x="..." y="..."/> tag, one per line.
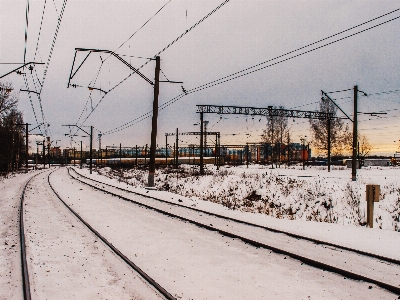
<point x="373" y="192"/>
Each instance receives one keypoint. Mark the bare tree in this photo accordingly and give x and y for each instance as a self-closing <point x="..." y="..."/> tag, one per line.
<point x="275" y="133"/>
<point x="364" y="145"/>
<point x="364" y="148"/>
<point x="339" y="132"/>
<point x="11" y="136"/>
<point x="8" y="99"/>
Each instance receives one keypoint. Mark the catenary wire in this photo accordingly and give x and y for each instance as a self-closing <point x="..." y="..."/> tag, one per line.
<point x="165" y="48"/>
<point x="40" y="30"/>
<point x="139" y="28"/>
<point x="250" y="70"/>
<point x="59" y="19"/>
<point x="122" y="55"/>
<point x="26" y="28"/>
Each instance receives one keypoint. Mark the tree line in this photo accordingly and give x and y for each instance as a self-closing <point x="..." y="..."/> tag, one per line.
<point x="12" y="142"/>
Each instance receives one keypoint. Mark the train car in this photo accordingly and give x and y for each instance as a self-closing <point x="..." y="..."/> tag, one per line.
<point x="145" y="161"/>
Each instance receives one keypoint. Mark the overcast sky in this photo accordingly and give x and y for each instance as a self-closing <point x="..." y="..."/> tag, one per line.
<point x="237" y="36"/>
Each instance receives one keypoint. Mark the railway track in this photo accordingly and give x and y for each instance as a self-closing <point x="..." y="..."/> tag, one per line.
<point x="118" y="253"/>
<point x="356" y="264"/>
<point x="24" y="265"/>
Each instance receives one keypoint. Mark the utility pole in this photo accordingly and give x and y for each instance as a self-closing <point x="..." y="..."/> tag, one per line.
<point x="152" y="166"/>
<point x="48" y="150"/>
<point x="44" y="155"/>
<point x="91" y="150"/>
<point x="174" y="154"/>
<point x="153" y="144"/>
<point x="272" y="141"/>
<point x="81" y="156"/>
<point x="37" y="154"/>
<point x="201" y="144"/>
<point x="194" y="155"/>
<point x="288" y="149"/>
<point x="101" y="156"/>
<point x="354" y="159"/>
<point x="218" y="149"/>
<point x="177" y="150"/>
<point x="26" y="147"/>
<point x="329" y="144"/>
<point x="145" y="155"/>
<point x="136" y="156"/>
<point x="205" y="136"/>
<point x="166" y="150"/>
<point x="302" y="154"/>
<point x="247" y="156"/>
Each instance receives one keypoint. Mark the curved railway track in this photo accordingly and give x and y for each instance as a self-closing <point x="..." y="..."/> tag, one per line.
<point x="24" y="265"/>
<point x="25" y="273"/>
<point x="308" y="260"/>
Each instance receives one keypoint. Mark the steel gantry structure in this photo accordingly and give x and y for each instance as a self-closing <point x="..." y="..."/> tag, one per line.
<point x="269" y="111"/>
<point x="255" y="111"/>
<point x="201" y="133"/>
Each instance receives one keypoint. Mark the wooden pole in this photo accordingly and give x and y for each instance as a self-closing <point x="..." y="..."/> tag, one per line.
<point x="201" y="145"/>
<point x="153" y="144"/>
<point x="354" y="158"/>
<point x="177" y="151"/>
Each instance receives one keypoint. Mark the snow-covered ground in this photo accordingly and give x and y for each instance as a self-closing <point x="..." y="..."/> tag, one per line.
<point x="10" y="256"/>
<point x="66" y="261"/>
<point x="318" y="184"/>
<point x="312" y="194"/>
<point x="193" y="263"/>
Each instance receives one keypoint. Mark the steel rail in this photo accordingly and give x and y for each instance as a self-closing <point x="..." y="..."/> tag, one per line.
<point x="145" y="276"/>
<point x="297" y="236"/>
<point x="254" y="243"/>
<point x="24" y="264"/>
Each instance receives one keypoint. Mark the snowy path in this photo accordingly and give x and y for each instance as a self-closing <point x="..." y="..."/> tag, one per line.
<point x="191" y="262"/>
<point x="10" y="254"/>
<point x="65" y="260"/>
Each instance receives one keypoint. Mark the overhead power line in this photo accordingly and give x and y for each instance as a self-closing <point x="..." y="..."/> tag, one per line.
<point x="161" y="51"/>
<point x="261" y="66"/>
<point x="141" y="27"/>
<point x="102" y="62"/>
<point x="59" y="19"/>
<point x="40" y="30"/>
<point x="26" y="28"/>
<point x="30" y="100"/>
<point x="258" y="67"/>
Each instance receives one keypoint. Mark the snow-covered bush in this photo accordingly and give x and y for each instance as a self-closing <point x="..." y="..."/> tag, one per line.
<point x="316" y="198"/>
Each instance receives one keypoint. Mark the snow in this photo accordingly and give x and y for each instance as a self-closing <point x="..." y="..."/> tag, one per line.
<point x="64" y="255"/>
<point x="10" y="270"/>
<point x="188" y="261"/>
<point x="319" y="184"/>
